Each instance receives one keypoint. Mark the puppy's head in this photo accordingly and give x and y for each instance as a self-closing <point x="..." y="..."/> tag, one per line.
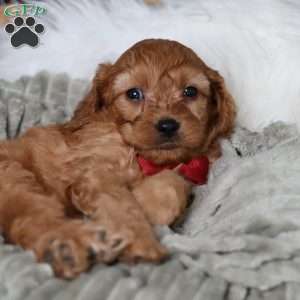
<point x="165" y="101"/>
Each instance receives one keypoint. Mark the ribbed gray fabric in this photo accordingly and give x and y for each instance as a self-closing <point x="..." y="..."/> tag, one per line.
<point x="226" y="248"/>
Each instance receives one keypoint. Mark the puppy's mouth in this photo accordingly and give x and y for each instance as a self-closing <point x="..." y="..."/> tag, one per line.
<point x="161" y="145"/>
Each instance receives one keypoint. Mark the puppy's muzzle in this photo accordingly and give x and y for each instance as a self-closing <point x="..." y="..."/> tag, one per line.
<point x="167" y="127"/>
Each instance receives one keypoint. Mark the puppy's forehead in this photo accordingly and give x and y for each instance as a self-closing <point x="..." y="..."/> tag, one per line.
<point x="151" y="76"/>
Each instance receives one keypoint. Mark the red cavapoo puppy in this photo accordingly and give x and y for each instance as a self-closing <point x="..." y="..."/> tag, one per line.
<point x="79" y="193"/>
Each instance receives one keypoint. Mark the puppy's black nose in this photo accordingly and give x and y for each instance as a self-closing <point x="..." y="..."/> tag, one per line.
<point x="167" y="127"/>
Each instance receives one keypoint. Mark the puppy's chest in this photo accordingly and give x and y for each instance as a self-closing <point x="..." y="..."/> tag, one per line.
<point x="106" y="152"/>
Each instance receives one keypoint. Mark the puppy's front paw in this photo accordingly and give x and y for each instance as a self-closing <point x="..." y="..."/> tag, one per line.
<point x="163" y="197"/>
<point x="74" y="246"/>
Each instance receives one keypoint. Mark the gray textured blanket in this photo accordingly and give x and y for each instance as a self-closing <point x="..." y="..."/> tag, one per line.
<point x="240" y="239"/>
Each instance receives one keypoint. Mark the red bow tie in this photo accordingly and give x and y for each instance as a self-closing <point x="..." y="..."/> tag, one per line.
<point x="196" y="170"/>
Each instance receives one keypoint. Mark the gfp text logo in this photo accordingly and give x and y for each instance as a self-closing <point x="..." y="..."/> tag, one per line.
<point x="24" y="10"/>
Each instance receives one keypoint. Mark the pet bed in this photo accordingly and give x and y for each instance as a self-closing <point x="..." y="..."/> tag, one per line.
<point x="240" y="239"/>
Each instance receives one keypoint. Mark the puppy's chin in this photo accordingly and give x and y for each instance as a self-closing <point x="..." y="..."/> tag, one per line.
<point x="165" y="155"/>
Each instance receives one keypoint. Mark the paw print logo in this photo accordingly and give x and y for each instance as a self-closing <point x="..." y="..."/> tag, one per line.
<point x="24" y="32"/>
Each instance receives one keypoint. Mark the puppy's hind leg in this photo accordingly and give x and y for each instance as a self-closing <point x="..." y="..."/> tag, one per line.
<point x="35" y="220"/>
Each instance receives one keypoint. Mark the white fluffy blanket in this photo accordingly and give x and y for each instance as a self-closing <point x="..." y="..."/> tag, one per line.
<point x="240" y="240"/>
<point x="255" y="44"/>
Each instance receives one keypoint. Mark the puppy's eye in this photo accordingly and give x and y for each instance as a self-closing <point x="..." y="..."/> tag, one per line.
<point x="190" y="91"/>
<point x="135" y="94"/>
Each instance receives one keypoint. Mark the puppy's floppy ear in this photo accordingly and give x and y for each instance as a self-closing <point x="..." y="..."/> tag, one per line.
<point x="95" y="99"/>
<point x="222" y="107"/>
